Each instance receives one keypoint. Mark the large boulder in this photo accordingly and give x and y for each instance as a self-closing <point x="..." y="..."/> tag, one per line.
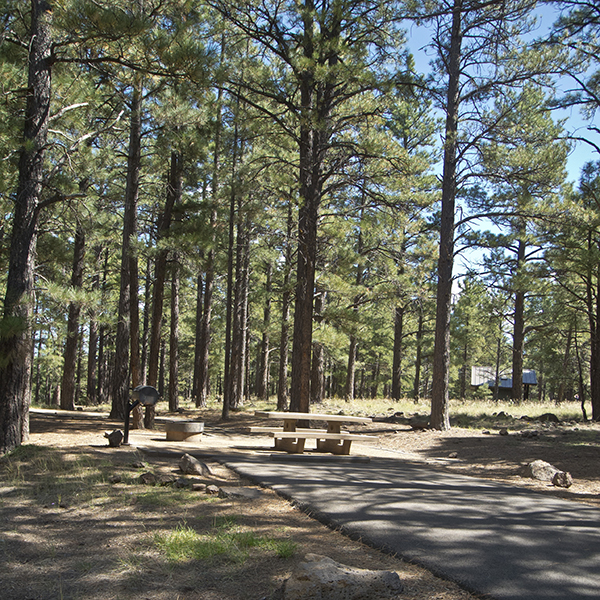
<point x="540" y="470"/>
<point x="543" y="471"/>
<point x="192" y="466"/>
<point x="321" y="578"/>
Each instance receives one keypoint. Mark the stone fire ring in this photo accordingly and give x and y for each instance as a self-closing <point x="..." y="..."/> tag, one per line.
<point x="184" y="431"/>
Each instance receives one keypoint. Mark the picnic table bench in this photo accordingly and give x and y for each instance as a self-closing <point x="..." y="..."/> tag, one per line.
<point x="292" y="439"/>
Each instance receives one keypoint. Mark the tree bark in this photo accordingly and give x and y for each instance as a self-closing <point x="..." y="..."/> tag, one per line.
<point x="174" y="341"/>
<point x="311" y="150"/>
<point x="351" y="369"/>
<point x="282" y="381"/>
<point x="160" y="272"/>
<point x="440" y="418"/>
<point x="121" y="375"/>
<point x="397" y="352"/>
<point x="67" y="393"/>
<point x="593" y="309"/>
<point x="239" y="320"/>
<point x="16" y="342"/>
<point x="418" y="358"/>
<point x="198" y="351"/>
<point x="93" y="338"/>
<point x="205" y="334"/>
<point x="518" y="328"/>
<point x="262" y="372"/>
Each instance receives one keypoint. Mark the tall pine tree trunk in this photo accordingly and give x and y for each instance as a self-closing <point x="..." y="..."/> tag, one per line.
<point x="93" y="339"/>
<point x="397" y="352"/>
<point x="121" y="375"/>
<point x="205" y="333"/>
<point x="418" y="358"/>
<point x="174" y="341"/>
<point x="262" y="372"/>
<point x="518" y="329"/>
<point x="317" y="376"/>
<point x="282" y="381"/>
<point x="440" y="418"/>
<point x="198" y="343"/>
<point x="239" y="318"/>
<point x="160" y="273"/>
<point x="67" y="390"/>
<point x="15" y="345"/>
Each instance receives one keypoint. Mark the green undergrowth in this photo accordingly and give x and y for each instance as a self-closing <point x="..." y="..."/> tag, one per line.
<point x="225" y="541"/>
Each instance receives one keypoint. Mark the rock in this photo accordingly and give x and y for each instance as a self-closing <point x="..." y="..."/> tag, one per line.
<point x="115" y="438"/>
<point x="540" y="470"/>
<point x="240" y="492"/>
<point x="503" y="431"/>
<point x="212" y="490"/>
<point x="148" y="478"/>
<point x="182" y="482"/>
<point x="192" y="466"/>
<point x="165" y="479"/>
<point x="530" y="433"/>
<point x="321" y="578"/>
<point x="550" y="417"/>
<point x="138" y="464"/>
<point x="562" y="479"/>
<point x="453" y="455"/>
<point x="115" y="479"/>
<point x="198" y="487"/>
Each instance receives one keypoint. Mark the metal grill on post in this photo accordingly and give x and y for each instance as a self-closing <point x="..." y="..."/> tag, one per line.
<point x="145" y="395"/>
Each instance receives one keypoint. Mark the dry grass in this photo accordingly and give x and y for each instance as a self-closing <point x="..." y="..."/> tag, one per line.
<point x="69" y="533"/>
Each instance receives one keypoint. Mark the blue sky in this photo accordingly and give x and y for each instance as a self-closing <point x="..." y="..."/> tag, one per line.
<point x="575" y="123"/>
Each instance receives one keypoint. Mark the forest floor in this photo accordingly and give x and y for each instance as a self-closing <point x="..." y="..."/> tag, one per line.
<point x="76" y="522"/>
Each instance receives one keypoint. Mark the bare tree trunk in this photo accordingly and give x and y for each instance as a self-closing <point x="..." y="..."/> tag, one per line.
<point x="565" y="365"/>
<point x="262" y="372"/>
<point x="160" y="272"/>
<point x="227" y="375"/>
<point x="67" y="395"/>
<point x="397" y="353"/>
<point x="317" y="380"/>
<point x="205" y="334"/>
<point x="282" y="382"/>
<point x="92" y="364"/>
<point x="317" y="376"/>
<point x="121" y="375"/>
<point x="440" y="418"/>
<point x="146" y="318"/>
<point x="518" y="330"/>
<point x="15" y="348"/>
<point x="174" y="341"/>
<point x="418" y="359"/>
<point x="239" y="328"/>
<point x="350" y="372"/>
<point x="198" y="350"/>
<point x="376" y="372"/>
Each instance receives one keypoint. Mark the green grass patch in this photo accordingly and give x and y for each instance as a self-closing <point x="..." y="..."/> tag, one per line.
<point x="185" y="544"/>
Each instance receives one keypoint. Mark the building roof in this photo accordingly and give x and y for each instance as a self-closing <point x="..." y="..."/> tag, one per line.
<point x="487" y="376"/>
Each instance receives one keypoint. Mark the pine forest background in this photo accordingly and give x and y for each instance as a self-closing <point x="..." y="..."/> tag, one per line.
<point x="268" y="199"/>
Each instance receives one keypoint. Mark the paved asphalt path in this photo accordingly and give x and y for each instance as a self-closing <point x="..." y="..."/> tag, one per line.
<point x="500" y="541"/>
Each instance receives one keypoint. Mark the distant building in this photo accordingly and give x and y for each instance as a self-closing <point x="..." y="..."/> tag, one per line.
<point x="487" y="376"/>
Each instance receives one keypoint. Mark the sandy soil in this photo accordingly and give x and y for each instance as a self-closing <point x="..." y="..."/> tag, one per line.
<point x="76" y="523"/>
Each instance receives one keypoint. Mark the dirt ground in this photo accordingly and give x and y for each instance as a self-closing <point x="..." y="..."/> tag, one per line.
<point x="75" y="522"/>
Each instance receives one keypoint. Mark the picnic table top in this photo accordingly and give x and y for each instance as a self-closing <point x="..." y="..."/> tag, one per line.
<point x="297" y="416"/>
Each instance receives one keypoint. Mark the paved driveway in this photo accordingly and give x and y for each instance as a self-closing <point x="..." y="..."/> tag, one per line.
<point x="506" y="542"/>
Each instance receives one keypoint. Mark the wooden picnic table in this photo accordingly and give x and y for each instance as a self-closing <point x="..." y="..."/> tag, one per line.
<point x="291" y="438"/>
